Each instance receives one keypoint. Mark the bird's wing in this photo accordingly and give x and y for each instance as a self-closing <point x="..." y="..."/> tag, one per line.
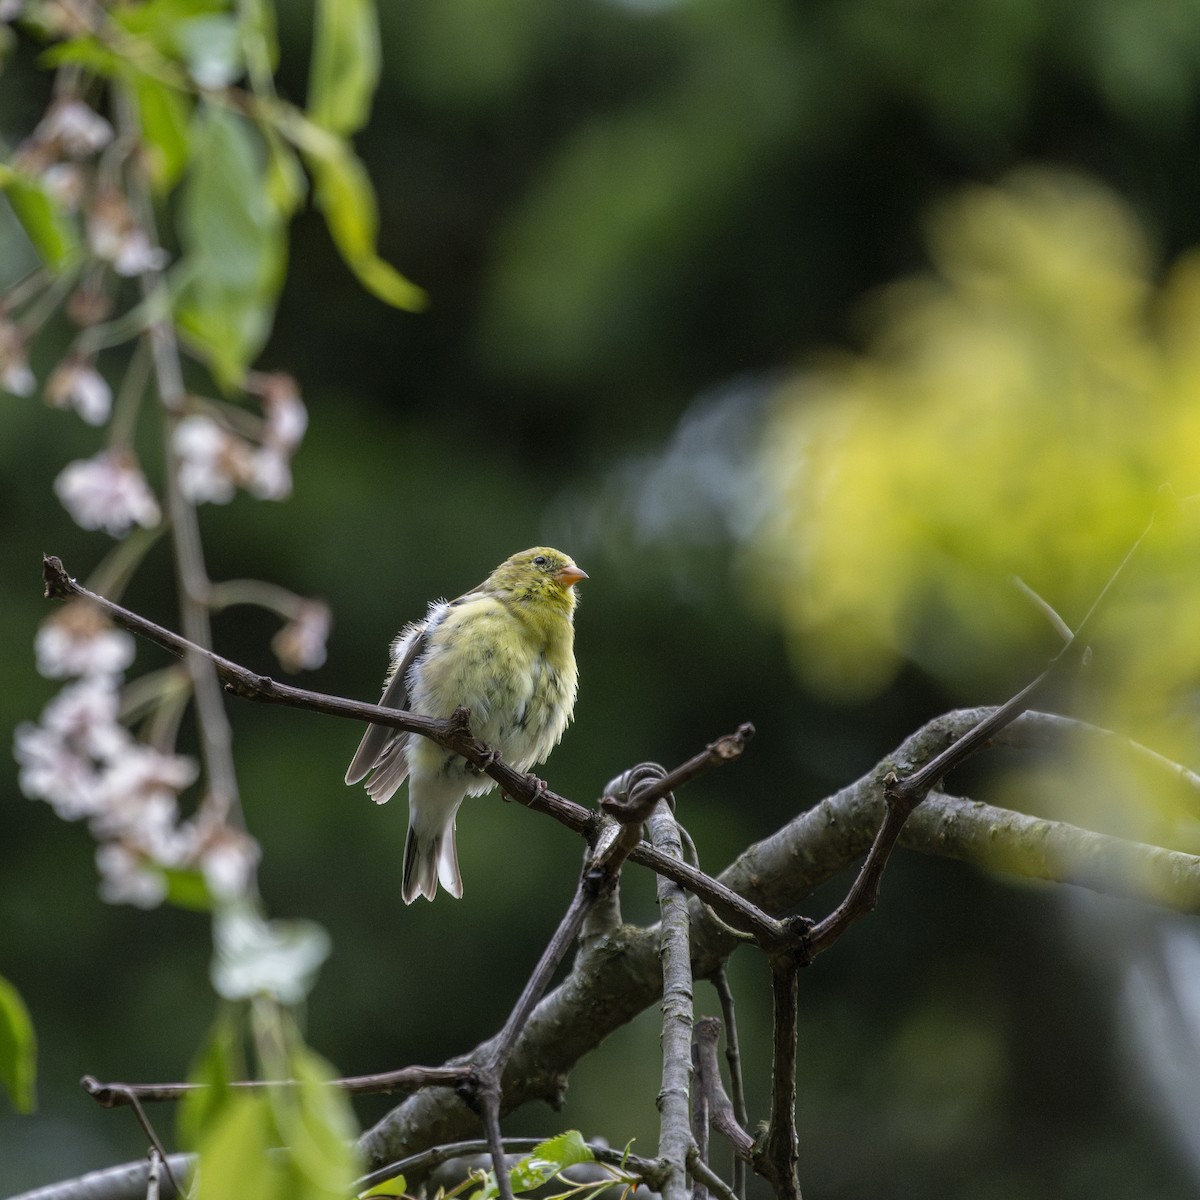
<point x="381" y="741"/>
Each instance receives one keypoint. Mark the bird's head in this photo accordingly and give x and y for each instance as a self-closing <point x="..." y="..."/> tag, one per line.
<point x="540" y="575"/>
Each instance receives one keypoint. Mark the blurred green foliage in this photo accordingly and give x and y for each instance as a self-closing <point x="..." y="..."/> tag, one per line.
<point x="615" y="207"/>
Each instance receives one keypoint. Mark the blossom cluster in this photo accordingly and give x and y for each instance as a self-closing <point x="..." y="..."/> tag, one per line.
<point x="82" y="756"/>
<point x="87" y="765"/>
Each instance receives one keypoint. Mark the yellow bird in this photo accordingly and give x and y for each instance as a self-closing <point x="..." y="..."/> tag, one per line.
<point x="506" y="651"/>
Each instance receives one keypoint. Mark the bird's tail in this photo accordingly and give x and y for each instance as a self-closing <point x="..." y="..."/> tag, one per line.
<point x="430" y="853"/>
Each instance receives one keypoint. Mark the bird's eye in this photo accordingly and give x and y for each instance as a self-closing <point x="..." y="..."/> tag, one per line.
<point x="540" y="561"/>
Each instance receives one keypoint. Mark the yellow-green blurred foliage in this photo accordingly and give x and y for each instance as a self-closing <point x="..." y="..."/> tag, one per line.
<point x="1025" y="408"/>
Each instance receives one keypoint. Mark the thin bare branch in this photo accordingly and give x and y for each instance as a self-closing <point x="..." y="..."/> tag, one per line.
<point x="722" y="1115"/>
<point x="674" y="1098"/>
<point x="403" y="1081"/>
<point x="776" y="1155"/>
<point x="706" y="1176"/>
<point x="1044" y="607"/>
<point x="733" y="1058"/>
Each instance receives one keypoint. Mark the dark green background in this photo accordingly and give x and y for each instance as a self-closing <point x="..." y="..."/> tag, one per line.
<point x="620" y="212"/>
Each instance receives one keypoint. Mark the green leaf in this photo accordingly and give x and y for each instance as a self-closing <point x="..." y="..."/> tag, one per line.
<point x="163" y="114"/>
<point x="318" y="1127"/>
<point x="261" y="40"/>
<point x="232" y="235"/>
<point x="18" y="1049"/>
<point x="548" y="1159"/>
<point x="53" y="233"/>
<point x="83" y="52"/>
<point x="567" y="1149"/>
<point x="157" y="21"/>
<point x="216" y="1067"/>
<point x="345" y="64"/>
<point x="541" y="1165"/>
<point x="234" y="1158"/>
<point x="396" y="1186"/>
<point x="346" y="198"/>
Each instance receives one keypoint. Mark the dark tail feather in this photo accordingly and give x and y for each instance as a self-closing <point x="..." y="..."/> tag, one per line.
<point x="420" y="868"/>
<point x="425" y="861"/>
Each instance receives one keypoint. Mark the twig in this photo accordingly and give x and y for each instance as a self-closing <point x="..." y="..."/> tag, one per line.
<point x="489" y="1071"/>
<point x="733" y="1057"/>
<point x="154" y="1178"/>
<point x="777" y="1156"/>
<point x="406" y="1080"/>
<point x="1034" y="728"/>
<point x="700" y="1120"/>
<point x="724" y="750"/>
<point x="722" y="1115"/>
<point x="159" y="1155"/>
<point x="1043" y="606"/>
<point x="704" y="1174"/>
<point x="675" y="1135"/>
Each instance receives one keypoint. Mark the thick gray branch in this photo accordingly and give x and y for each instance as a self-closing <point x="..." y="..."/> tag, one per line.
<point x="620" y="976"/>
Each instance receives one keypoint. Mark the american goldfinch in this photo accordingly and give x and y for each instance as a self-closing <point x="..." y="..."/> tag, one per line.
<point x="506" y="651"/>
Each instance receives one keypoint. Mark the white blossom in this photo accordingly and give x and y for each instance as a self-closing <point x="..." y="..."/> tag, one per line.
<point x="15" y="375"/>
<point x="138" y="799"/>
<point x="62" y="758"/>
<point x="211" y="460"/>
<point x="116" y="237"/>
<point x="85" y="713"/>
<point x="300" y="644"/>
<point x="78" y="129"/>
<point x="66" y="183"/>
<point x="107" y="492"/>
<point x="126" y="877"/>
<point x="228" y="862"/>
<point x="286" y="418"/>
<point x="270" y="474"/>
<point x="79" y="640"/>
<point x="76" y="383"/>
<point x="51" y="769"/>
<point x="256" y="957"/>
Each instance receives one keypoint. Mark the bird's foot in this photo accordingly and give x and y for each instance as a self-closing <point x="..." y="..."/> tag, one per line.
<point x="488" y="758"/>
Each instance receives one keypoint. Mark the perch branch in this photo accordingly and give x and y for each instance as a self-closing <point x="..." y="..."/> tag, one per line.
<point x="454" y="733"/>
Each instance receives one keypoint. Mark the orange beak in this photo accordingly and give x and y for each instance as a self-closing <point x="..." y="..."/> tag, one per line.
<point x="570" y="575"/>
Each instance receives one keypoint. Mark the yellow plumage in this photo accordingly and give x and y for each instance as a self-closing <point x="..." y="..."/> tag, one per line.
<point x="506" y="651"/>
